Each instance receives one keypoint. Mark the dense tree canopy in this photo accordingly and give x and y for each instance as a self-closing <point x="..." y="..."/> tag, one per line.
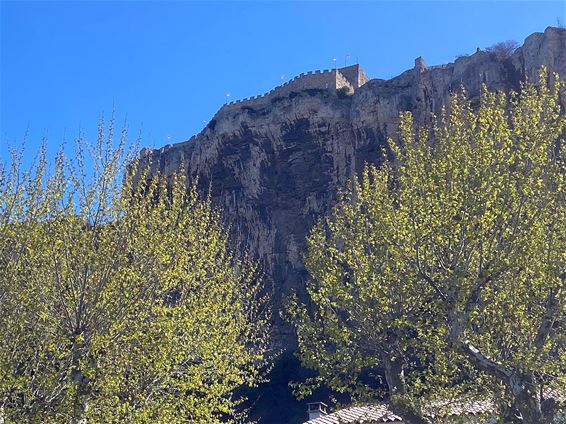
<point x="446" y="265"/>
<point x="119" y="298"/>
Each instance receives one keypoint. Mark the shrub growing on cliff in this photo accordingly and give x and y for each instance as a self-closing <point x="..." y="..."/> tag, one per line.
<point x="120" y="301"/>
<point x="450" y="261"/>
<point x="504" y="49"/>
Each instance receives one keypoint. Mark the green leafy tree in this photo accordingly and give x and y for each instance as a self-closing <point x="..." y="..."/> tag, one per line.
<point x="120" y="300"/>
<point x="446" y="265"/>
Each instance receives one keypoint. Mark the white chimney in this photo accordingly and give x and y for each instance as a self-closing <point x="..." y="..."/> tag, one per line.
<point x="316" y="410"/>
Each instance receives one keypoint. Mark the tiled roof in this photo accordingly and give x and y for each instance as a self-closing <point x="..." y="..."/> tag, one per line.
<point x="380" y="412"/>
<point x="460" y="407"/>
<point x="377" y="413"/>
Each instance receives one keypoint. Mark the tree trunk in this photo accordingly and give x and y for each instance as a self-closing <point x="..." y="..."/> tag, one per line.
<point x="80" y="401"/>
<point x="523" y="387"/>
<point x="82" y="386"/>
<point x="394" y="374"/>
<point x="524" y="390"/>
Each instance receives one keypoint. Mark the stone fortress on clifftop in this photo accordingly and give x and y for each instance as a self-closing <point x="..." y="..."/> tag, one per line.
<point x="349" y="79"/>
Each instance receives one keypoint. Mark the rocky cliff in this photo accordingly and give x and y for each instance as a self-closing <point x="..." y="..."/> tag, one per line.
<point x="275" y="166"/>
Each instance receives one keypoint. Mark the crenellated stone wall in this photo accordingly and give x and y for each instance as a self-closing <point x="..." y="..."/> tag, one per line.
<point x="350" y="78"/>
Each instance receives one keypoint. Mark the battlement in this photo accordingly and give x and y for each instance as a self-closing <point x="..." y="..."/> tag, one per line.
<point x="349" y="78"/>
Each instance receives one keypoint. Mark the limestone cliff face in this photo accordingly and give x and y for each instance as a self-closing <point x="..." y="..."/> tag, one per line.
<point x="274" y="167"/>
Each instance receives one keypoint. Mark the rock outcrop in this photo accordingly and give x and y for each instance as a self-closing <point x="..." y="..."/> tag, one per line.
<point x="274" y="167"/>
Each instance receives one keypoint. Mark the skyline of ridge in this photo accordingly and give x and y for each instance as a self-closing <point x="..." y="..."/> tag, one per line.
<point x="166" y="69"/>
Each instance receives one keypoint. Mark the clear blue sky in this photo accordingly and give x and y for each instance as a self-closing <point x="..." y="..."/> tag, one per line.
<point x="166" y="66"/>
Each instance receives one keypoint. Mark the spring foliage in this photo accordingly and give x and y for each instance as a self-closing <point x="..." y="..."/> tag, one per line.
<point x="119" y="298"/>
<point x="447" y="264"/>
